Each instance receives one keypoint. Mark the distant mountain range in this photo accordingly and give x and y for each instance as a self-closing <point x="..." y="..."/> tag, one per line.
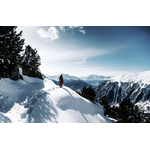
<point x="95" y="80"/>
<point x="65" y="76"/>
<point x="94" y="77"/>
<point x="77" y="83"/>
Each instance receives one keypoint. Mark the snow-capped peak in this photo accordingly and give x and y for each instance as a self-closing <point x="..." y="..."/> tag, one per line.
<point x="65" y="76"/>
<point x="142" y="77"/>
<point x="95" y="77"/>
<point x="85" y="78"/>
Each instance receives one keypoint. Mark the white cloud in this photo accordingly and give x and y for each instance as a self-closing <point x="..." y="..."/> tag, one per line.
<point x="82" y="60"/>
<point x="83" y="31"/>
<point x="62" y="28"/>
<point x="80" y="27"/>
<point x="72" y="27"/>
<point x="51" y="34"/>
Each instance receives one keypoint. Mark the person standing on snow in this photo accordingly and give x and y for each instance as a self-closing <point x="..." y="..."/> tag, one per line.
<point x="60" y="81"/>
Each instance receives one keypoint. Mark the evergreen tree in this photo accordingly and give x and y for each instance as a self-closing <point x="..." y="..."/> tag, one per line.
<point x="88" y="93"/>
<point x="31" y="60"/>
<point x="126" y="112"/>
<point x="113" y="112"/>
<point x="11" y="45"/>
<point x="106" y="106"/>
<point x="92" y="94"/>
<point x="130" y="113"/>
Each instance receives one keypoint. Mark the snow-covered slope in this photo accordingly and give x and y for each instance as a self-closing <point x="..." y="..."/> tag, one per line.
<point x="41" y="101"/>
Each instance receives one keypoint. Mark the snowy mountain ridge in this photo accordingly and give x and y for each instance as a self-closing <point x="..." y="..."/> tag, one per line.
<point x="65" y="76"/>
<point x="86" y="78"/>
<point x="135" y="86"/>
<point x="95" y="77"/>
<point x="33" y="100"/>
<point x="142" y="77"/>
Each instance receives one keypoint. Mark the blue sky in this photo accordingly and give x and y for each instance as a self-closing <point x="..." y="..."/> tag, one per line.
<point x="85" y="50"/>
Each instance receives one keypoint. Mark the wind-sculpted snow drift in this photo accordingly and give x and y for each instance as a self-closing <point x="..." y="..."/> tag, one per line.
<point x="41" y="101"/>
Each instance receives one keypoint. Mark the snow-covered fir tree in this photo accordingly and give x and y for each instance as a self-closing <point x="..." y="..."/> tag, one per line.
<point x="11" y="45"/>
<point x="31" y="60"/>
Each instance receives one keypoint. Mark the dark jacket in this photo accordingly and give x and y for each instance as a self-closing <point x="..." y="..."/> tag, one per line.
<point x="61" y="79"/>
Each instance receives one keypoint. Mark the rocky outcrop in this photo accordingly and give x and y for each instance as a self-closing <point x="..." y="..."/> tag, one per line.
<point x="16" y="75"/>
<point x="32" y="73"/>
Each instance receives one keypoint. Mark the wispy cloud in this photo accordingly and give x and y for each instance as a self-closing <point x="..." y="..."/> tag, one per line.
<point x="51" y="34"/>
<point x="73" y="27"/>
<point x="81" y="60"/>
<point x="75" y="60"/>
<point x="62" y="28"/>
<point x="76" y="55"/>
<point x="80" y="29"/>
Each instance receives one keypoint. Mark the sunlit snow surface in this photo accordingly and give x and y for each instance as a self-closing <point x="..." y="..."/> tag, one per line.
<point x="143" y="77"/>
<point x="41" y="101"/>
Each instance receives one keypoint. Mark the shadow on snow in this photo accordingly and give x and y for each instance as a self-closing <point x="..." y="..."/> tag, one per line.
<point x="4" y="119"/>
<point x="43" y="110"/>
<point x="26" y="91"/>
